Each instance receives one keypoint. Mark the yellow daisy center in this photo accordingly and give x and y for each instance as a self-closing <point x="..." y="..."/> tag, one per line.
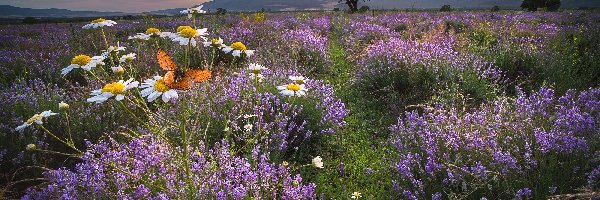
<point x="293" y="87"/>
<point x="161" y="86"/>
<point x="115" y="88"/>
<point x="238" y="46"/>
<point x="181" y="28"/>
<point x="81" y="60"/>
<point x="152" y="31"/>
<point x="188" y="33"/>
<point x="34" y="118"/>
<point x="214" y="40"/>
<point x="99" y="20"/>
<point x="299" y="81"/>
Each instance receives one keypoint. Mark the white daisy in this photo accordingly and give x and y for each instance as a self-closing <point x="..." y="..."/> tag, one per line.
<point x="255" y="68"/>
<point x="139" y="37"/>
<point x="237" y="49"/>
<point x="84" y="62"/>
<point x="188" y="35"/>
<point x="37" y="118"/>
<point x="298" y="79"/>
<point x="191" y="11"/>
<point x="101" y="22"/>
<point x="112" y="49"/>
<point x="217" y="43"/>
<point x="356" y="195"/>
<point x="248" y="127"/>
<point x="127" y="58"/>
<point x="292" y="89"/>
<point x="156" y="87"/>
<point x="116" y="89"/>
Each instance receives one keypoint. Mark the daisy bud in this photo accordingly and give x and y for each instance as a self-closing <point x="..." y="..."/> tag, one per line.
<point x="118" y="70"/>
<point x="30" y="147"/>
<point x="63" y="106"/>
<point x="285" y="163"/>
<point x="317" y="162"/>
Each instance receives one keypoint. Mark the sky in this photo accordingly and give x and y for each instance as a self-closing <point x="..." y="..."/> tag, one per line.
<point x="105" y="5"/>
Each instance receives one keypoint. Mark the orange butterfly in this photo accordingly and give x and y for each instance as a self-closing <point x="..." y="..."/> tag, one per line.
<point x="176" y="78"/>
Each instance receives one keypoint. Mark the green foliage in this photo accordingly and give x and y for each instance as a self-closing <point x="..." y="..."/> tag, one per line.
<point x="221" y="11"/>
<point x="446" y="8"/>
<point x="30" y="20"/>
<point x="401" y="28"/>
<point x="456" y="26"/>
<point x="363" y="9"/>
<point x="352" y="157"/>
<point x="533" y="5"/>
<point x="495" y="9"/>
<point x="574" y="63"/>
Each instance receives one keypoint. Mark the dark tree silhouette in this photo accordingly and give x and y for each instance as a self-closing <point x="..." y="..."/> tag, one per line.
<point x="533" y="5"/>
<point x="495" y="9"/>
<point x="446" y="8"/>
<point x="352" y="4"/>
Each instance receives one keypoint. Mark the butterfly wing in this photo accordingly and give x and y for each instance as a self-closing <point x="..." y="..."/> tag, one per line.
<point x="185" y="83"/>
<point x="164" y="60"/>
<point x="198" y="76"/>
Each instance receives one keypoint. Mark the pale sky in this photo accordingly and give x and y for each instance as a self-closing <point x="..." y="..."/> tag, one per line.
<point x="105" y="5"/>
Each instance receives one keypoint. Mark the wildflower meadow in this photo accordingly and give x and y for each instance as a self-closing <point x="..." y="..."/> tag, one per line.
<point x="303" y="105"/>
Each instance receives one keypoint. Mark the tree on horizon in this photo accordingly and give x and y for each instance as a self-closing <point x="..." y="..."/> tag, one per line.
<point x="352" y="4"/>
<point x="533" y="5"/>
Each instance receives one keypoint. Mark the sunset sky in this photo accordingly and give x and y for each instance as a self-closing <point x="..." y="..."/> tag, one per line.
<point x="105" y="5"/>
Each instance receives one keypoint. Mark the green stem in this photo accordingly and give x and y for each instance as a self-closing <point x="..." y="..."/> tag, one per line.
<point x="69" y="129"/>
<point x="57" y="138"/>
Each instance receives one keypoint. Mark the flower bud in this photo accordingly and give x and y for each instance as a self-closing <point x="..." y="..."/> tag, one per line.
<point x="63" y="106"/>
<point x="118" y="70"/>
<point x="317" y="162"/>
<point x="30" y="147"/>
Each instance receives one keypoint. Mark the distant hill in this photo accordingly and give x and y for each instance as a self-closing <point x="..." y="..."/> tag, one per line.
<point x="504" y="4"/>
<point x="7" y="11"/>
<point x="278" y="5"/>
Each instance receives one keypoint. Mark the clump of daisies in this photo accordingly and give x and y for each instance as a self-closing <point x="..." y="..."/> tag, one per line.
<point x="100" y="22"/>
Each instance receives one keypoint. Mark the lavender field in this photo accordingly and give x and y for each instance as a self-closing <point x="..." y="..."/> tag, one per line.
<point x="315" y="105"/>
